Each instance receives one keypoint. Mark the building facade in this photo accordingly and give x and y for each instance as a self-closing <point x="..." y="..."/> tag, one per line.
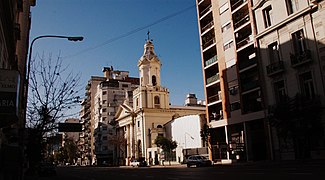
<point x="104" y="95"/>
<point x="232" y="81"/>
<point x="15" y="19"/>
<point x="244" y="75"/>
<point x="290" y="37"/>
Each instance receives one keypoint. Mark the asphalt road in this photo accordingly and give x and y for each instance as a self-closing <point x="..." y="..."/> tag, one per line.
<point x="292" y="170"/>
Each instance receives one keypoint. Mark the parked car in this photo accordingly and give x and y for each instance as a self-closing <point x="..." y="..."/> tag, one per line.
<point x="138" y="163"/>
<point x="198" y="161"/>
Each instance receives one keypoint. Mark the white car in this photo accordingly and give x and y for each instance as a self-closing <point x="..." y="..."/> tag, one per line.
<point x="135" y="163"/>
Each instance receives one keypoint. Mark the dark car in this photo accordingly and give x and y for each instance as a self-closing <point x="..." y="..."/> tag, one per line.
<point x="47" y="169"/>
<point x="198" y="161"/>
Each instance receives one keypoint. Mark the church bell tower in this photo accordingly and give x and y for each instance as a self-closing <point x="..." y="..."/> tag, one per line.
<point x="150" y="93"/>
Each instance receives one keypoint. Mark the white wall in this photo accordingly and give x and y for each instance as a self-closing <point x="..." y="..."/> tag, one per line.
<point x="186" y="131"/>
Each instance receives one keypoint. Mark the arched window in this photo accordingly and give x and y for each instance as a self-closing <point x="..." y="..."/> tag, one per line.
<point x="154" y="80"/>
<point x="157" y="102"/>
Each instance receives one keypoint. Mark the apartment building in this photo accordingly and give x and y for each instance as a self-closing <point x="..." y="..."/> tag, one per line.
<point x="291" y="43"/>
<point x="87" y="140"/>
<point x="244" y="77"/>
<point x="104" y="95"/>
<point x="232" y="81"/>
<point x="15" y="22"/>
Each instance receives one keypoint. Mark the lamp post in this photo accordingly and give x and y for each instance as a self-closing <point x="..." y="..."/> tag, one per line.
<point x="70" y="38"/>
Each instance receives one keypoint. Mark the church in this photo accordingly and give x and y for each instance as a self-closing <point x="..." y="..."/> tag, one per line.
<point x="142" y="119"/>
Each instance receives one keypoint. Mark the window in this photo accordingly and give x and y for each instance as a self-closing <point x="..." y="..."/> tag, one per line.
<point x="234" y="106"/>
<point x="157" y="102"/>
<point x="125" y="85"/>
<point x="230" y="63"/>
<point x="104" y="110"/>
<point x="274" y="52"/>
<point x="154" y="81"/>
<point x="224" y="8"/>
<point x="137" y="102"/>
<point x="138" y="123"/>
<point x="104" y="138"/>
<point x="104" y="101"/>
<point x="225" y="27"/>
<point x="228" y="45"/>
<point x="104" y="92"/>
<point x="267" y="15"/>
<point x="298" y="42"/>
<point x="292" y="6"/>
<point x="280" y="91"/>
<point x="233" y="90"/>
<point x="307" y="85"/>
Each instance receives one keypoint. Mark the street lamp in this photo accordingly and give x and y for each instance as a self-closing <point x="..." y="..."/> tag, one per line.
<point x="70" y="38"/>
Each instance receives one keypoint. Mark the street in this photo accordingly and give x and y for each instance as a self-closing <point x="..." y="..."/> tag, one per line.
<point x="292" y="170"/>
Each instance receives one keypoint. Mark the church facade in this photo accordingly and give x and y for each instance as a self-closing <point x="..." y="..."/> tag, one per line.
<point x="141" y="120"/>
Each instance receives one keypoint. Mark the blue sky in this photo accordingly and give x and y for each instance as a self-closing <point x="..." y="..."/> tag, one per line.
<point x="114" y="33"/>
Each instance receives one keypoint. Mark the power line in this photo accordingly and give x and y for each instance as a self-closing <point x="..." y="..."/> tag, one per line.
<point x="131" y="32"/>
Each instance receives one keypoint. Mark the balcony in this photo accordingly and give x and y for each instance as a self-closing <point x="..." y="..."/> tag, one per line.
<point x="275" y="68"/>
<point x="236" y="3"/>
<point x="215" y="98"/>
<point x="299" y="59"/>
<point x="206" y="10"/>
<point x="241" y="22"/>
<point x="244" y="42"/>
<point x="206" y="27"/>
<point x="213" y="78"/>
<point x="211" y="60"/>
<point x="209" y="42"/>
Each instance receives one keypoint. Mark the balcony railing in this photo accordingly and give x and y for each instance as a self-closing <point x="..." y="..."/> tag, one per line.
<point x="211" y="60"/>
<point x="275" y="68"/>
<point x="237" y="4"/>
<point x="215" y="98"/>
<point x="206" y="27"/>
<point x="299" y="59"/>
<point x="242" y="21"/>
<point x="213" y="78"/>
<point x="209" y="42"/>
<point x="245" y="41"/>
<point x="205" y="10"/>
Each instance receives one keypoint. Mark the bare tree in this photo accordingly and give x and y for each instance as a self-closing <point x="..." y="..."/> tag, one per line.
<point x="53" y="92"/>
<point x="119" y="141"/>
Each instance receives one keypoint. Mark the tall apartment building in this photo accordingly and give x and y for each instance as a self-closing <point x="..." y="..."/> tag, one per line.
<point x="15" y="22"/>
<point x="103" y="97"/>
<point x="235" y="38"/>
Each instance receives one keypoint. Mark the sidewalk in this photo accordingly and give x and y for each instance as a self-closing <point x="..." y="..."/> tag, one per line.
<point x="299" y="162"/>
<point x="172" y="164"/>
